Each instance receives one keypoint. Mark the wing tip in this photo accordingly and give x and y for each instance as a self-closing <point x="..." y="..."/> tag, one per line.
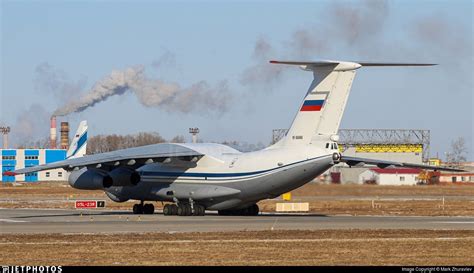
<point x="9" y="173"/>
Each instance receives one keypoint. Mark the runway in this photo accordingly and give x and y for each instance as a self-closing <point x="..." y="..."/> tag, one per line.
<point x="107" y="221"/>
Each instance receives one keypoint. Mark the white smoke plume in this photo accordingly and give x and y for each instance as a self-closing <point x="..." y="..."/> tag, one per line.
<point x="167" y="59"/>
<point x="355" y="26"/>
<point x="33" y="121"/>
<point x="51" y="80"/>
<point x="152" y="93"/>
<point x="261" y="72"/>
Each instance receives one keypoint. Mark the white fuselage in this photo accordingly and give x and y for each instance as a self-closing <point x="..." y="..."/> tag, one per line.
<point x="226" y="178"/>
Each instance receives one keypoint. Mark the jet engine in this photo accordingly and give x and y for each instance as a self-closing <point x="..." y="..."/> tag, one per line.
<point x="87" y="179"/>
<point x="121" y="176"/>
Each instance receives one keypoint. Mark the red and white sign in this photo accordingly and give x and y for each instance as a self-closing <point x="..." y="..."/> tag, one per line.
<point x="89" y="204"/>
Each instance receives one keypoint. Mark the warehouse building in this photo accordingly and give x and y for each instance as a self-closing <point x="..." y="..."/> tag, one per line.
<point x="399" y="145"/>
<point x="389" y="176"/>
<point x="447" y="177"/>
<point x="20" y="158"/>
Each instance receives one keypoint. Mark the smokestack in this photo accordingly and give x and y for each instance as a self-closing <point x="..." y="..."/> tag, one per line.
<point x="5" y="131"/>
<point x="194" y="132"/>
<point x="52" y="133"/>
<point x="64" y="135"/>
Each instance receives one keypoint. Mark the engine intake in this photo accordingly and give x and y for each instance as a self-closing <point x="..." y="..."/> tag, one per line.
<point x="121" y="177"/>
<point x="87" y="179"/>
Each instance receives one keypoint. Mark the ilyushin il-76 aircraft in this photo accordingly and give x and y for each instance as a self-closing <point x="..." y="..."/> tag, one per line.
<point x="195" y="177"/>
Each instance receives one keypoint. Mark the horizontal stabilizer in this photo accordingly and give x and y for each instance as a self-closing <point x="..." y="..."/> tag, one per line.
<point x="323" y="63"/>
<point x="393" y="64"/>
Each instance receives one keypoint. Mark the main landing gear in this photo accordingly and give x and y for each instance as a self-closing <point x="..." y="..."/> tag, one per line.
<point x="184" y="209"/>
<point x="249" y="211"/>
<point x="143" y="208"/>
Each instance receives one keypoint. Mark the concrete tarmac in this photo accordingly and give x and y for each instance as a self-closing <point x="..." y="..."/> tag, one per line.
<point x="107" y="221"/>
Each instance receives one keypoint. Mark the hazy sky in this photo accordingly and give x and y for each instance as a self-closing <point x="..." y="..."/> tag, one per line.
<point x="205" y="64"/>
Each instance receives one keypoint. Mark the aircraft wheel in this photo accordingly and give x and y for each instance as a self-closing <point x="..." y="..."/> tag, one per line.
<point x="189" y="211"/>
<point x="199" y="210"/>
<point x="203" y="211"/>
<point x="254" y="210"/>
<point x="148" y="209"/>
<point x="137" y="209"/>
<point x="173" y="209"/>
<point x="182" y="211"/>
<point x="167" y="209"/>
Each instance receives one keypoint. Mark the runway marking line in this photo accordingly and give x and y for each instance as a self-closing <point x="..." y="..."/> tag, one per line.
<point x="12" y="221"/>
<point x="251" y="241"/>
<point x="455" y="222"/>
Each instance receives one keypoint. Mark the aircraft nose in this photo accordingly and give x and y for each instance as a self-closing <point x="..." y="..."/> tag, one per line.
<point x="336" y="157"/>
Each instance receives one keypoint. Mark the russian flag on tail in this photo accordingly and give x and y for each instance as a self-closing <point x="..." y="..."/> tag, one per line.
<point x="312" y="105"/>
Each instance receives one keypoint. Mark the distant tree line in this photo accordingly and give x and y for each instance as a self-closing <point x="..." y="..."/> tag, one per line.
<point x="459" y="151"/>
<point x="37" y="144"/>
<point x="107" y="143"/>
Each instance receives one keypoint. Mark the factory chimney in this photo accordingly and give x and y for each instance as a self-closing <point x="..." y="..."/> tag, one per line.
<point x="52" y="133"/>
<point x="64" y="135"/>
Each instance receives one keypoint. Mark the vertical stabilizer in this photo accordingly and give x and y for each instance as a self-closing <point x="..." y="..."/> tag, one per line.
<point x="320" y="113"/>
<point x="78" y="145"/>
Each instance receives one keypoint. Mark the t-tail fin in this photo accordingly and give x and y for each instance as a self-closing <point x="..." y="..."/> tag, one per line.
<point x="321" y="111"/>
<point x="78" y="145"/>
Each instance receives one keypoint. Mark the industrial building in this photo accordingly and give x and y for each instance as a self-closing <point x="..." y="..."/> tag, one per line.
<point x="456" y="178"/>
<point x="390" y="176"/>
<point x="20" y="158"/>
<point x="400" y="145"/>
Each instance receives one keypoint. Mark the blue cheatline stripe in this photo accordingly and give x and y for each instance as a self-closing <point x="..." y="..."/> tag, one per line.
<point x="183" y="174"/>
<point x="313" y="102"/>
<point x="80" y="143"/>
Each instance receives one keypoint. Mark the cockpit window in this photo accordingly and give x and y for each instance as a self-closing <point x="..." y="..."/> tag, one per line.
<point x="327" y="145"/>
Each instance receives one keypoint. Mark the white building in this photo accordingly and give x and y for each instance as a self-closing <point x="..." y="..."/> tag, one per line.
<point x="390" y="176"/>
<point x="13" y="159"/>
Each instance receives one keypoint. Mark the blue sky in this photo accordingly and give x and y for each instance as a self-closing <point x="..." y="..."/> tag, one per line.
<point x="83" y="41"/>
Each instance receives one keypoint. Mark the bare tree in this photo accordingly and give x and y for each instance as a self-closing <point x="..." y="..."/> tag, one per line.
<point x="107" y="143"/>
<point x="458" y="151"/>
<point x="178" y="139"/>
<point x="42" y="143"/>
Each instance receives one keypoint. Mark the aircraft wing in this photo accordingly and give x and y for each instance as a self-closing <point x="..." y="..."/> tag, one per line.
<point x="132" y="157"/>
<point x="357" y="161"/>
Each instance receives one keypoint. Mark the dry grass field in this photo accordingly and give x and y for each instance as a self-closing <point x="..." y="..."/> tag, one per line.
<point x="325" y="247"/>
<point x="323" y="199"/>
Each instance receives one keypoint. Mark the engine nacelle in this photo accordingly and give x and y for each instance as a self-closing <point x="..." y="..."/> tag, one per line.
<point x="86" y="179"/>
<point x="121" y="177"/>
